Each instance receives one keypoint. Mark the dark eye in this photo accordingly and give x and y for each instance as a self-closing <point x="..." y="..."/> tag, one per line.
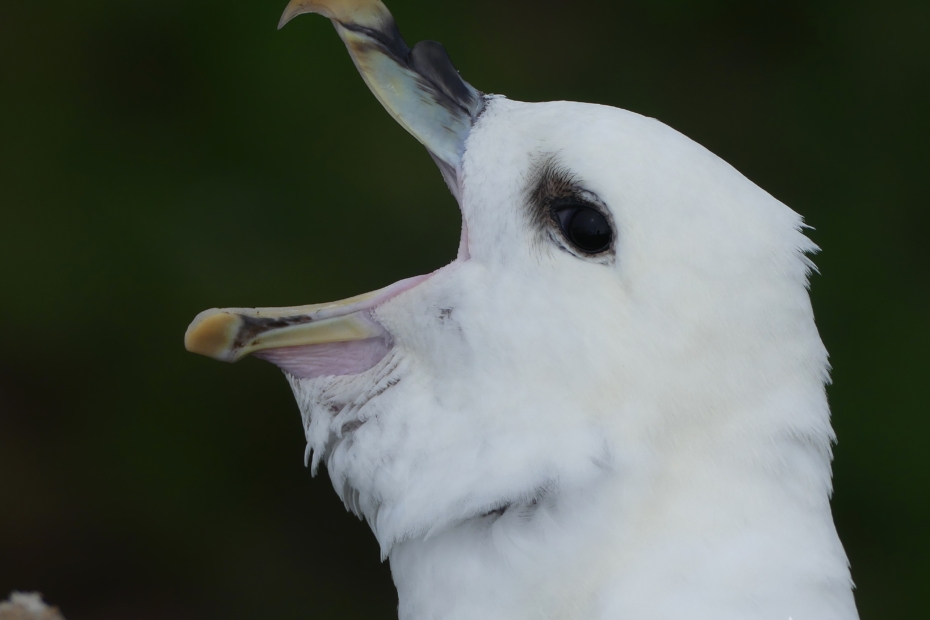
<point x="586" y="228"/>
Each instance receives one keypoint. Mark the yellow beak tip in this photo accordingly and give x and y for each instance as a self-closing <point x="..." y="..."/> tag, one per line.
<point x="213" y="334"/>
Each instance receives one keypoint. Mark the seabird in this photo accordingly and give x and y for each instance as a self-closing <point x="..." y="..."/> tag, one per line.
<point x="610" y="405"/>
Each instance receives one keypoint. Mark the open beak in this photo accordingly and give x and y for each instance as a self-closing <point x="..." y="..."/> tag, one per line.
<point x="300" y="339"/>
<point x="422" y="90"/>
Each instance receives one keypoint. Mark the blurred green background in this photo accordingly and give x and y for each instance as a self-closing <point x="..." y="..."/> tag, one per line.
<point x="160" y="158"/>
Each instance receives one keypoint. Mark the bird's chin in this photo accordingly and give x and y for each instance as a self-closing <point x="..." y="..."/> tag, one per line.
<point x="335" y="406"/>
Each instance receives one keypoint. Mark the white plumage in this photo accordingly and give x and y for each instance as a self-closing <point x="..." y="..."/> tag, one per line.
<point x="639" y="434"/>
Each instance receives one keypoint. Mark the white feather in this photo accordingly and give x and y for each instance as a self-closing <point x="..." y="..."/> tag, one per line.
<point x="642" y="437"/>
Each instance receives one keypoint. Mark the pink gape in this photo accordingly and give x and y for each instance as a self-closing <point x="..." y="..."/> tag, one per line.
<point x="342" y="358"/>
<point x="330" y="359"/>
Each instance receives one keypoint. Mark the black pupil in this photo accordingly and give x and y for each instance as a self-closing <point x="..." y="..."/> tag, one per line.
<point x="586" y="228"/>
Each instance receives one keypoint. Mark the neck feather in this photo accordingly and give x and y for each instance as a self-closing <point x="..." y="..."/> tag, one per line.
<point x="700" y="539"/>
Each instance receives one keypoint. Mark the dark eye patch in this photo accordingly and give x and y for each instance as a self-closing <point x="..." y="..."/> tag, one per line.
<point x="557" y="200"/>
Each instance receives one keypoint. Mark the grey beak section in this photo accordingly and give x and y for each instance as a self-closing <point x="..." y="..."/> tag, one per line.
<point x="419" y="87"/>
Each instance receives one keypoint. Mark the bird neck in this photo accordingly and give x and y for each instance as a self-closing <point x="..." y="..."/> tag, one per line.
<point x="702" y="539"/>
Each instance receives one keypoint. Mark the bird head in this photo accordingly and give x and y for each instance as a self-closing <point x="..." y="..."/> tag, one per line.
<point x="620" y="296"/>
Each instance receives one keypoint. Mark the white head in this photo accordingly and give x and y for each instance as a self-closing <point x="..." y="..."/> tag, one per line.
<point x="626" y="328"/>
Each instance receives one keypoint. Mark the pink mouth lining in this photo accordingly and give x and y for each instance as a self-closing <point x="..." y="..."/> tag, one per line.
<point x="334" y="359"/>
<point x="342" y="358"/>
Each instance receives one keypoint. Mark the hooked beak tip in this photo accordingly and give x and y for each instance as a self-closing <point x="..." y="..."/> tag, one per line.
<point x="289" y="14"/>
<point x="211" y="333"/>
<point x="299" y="7"/>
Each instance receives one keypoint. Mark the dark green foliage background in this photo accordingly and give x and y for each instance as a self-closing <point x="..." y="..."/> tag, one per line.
<point x="160" y="158"/>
